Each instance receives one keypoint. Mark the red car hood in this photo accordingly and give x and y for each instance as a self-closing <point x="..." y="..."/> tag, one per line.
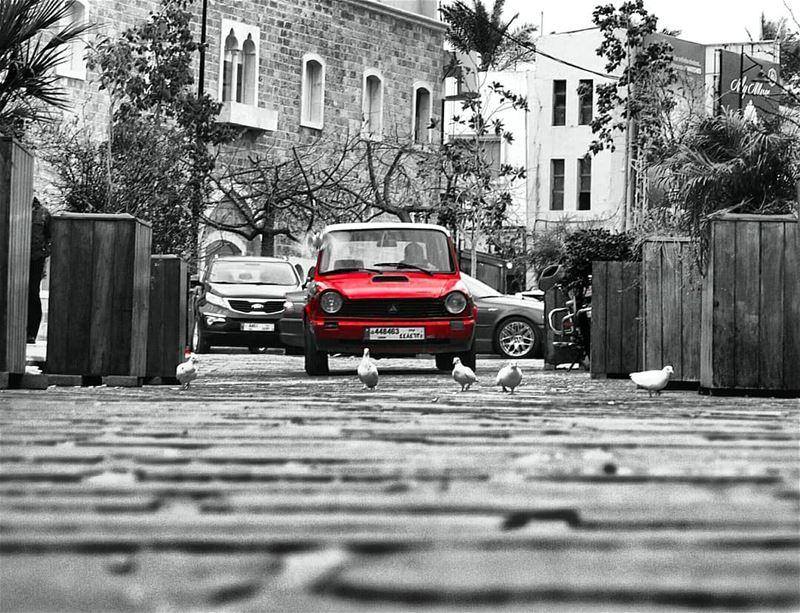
<point x="392" y="285"/>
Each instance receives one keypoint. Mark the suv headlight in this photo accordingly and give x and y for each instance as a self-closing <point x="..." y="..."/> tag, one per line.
<point x="218" y="300"/>
<point x="455" y="303"/>
<point x="331" y="302"/>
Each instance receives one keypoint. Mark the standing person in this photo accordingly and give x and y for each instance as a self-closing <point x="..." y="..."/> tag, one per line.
<point x="40" y="250"/>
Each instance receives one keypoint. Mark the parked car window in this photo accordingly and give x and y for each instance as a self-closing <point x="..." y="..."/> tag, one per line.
<point x="272" y="273"/>
<point x="379" y="249"/>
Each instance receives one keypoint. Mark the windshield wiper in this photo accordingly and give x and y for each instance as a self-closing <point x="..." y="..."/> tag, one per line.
<point x="406" y="265"/>
<point x="349" y="269"/>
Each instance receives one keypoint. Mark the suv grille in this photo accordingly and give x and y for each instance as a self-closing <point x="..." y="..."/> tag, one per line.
<point x="246" y="306"/>
<point x="384" y="307"/>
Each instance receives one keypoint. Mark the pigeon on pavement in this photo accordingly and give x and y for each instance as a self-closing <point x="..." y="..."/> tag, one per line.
<point x="187" y="371"/>
<point x="463" y="375"/>
<point x="509" y="376"/>
<point x="652" y="380"/>
<point x="367" y="371"/>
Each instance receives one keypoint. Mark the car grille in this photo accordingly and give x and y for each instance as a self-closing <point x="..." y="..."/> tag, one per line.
<point x="396" y="309"/>
<point x="246" y="306"/>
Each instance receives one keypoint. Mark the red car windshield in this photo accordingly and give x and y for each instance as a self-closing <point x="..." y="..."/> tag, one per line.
<point x="383" y="249"/>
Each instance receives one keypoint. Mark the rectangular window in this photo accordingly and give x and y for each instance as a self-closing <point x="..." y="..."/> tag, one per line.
<point x="556" y="185"/>
<point x="585" y="183"/>
<point x="559" y="103"/>
<point x="585" y="100"/>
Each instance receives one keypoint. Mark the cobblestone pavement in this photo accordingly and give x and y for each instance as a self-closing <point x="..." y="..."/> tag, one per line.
<point x="261" y="489"/>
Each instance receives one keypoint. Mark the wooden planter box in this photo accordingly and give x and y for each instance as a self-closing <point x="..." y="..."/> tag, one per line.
<point x="99" y="295"/>
<point x="16" y="194"/>
<point x="751" y="305"/>
<point x="671" y="304"/>
<point x="166" y="330"/>
<point x="616" y="344"/>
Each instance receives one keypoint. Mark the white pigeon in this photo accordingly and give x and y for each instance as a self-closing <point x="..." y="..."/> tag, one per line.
<point x="509" y="376"/>
<point x="463" y="375"/>
<point x="187" y="371"/>
<point x="652" y="380"/>
<point x="367" y="371"/>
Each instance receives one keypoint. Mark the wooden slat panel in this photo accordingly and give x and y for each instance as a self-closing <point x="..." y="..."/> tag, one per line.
<point x="691" y="298"/>
<point x="140" y="299"/>
<point x="651" y="297"/>
<point x="791" y="268"/>
<point x="105" y="317"/>
<point x="613" y="319"/>
<point x="723" y="250"/>
<point x="747" y="268"/>
<point x="772" y="331"/>
<point x="630" y="358"/>
<point x="671" y="323"/>
<point x="16" y="193"/>
<point x="707" y="319"/>
<point x="599" y="362"/>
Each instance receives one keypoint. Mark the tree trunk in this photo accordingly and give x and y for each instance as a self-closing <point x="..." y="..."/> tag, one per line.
<point x="268" y="244"/>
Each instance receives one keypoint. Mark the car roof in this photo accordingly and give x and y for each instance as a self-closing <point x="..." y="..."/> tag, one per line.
<point x="380" y="225"/>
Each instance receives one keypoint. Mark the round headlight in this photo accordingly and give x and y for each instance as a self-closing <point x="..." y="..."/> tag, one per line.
<point x="331" y="302"/>
<point x="455" y="303"/>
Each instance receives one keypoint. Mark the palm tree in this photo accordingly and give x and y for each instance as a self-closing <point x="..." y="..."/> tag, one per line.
<point x="730" y="163"/>
<point x="475" y="30"/>
<point x="32" y="43"/>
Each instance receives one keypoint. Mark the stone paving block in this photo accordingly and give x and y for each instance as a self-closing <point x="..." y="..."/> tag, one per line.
<point x="65" y="380"/>
<point x="122" y="381"/>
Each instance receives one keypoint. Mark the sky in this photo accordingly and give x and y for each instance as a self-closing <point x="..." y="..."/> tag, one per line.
<point x="700" y="21"/>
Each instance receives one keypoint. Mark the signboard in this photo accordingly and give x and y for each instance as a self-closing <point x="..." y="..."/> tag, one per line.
<point x="688" y="58"/>
<point x="748" y="84"/>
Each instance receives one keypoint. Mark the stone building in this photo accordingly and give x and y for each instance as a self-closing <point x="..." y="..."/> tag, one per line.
<point x="289" y="70"/>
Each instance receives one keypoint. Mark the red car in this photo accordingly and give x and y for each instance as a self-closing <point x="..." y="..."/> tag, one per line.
<point x="393" y="287"/>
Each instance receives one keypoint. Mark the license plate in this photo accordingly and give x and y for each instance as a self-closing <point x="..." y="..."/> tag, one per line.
<point x="248" y="327"/>
<point x="396" y="334"/>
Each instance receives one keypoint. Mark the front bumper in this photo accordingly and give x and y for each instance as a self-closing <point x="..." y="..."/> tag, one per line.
<point x="231" y="332"/>
<point x="350" y="336"/>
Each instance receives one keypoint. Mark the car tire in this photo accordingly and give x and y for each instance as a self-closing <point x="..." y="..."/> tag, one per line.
<point x="199" y="342"/>
<point x="316" y="361"/>
<point x="468" y="358"/>
<point x="444" y="361"/>
<point x="517" y="338"/>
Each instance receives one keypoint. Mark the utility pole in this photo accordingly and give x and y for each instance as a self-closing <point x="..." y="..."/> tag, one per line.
<point x="202" y="68"/>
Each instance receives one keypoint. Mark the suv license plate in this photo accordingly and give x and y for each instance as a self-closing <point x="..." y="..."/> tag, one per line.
<point x="248" y="327"/>
<point x="396" y="334"/>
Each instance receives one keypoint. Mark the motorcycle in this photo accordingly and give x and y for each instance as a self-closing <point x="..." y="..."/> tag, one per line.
<point x="572" y="323"/>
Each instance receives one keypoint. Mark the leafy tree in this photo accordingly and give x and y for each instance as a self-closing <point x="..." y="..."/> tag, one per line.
<point x="642" y="93"/>
<point x="162" y="137"/>
<point x="31" y="45"/>
<point x="789" y="42"/>
<point x="476" y="30"/>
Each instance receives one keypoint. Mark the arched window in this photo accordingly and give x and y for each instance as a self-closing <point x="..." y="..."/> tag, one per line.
<point x="230" y="68"/>
<point x="239" y="63"/>
<point x="248" y="71"/>
<point x="313" y="91"/>
<point x="372" y="105"/>
<point x="421" y="114"/>
<point x="74" y="64"/>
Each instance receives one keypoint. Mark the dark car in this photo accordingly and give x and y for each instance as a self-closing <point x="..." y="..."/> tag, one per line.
<point x="239" y="302"/>
<point x="509" y="326"/>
